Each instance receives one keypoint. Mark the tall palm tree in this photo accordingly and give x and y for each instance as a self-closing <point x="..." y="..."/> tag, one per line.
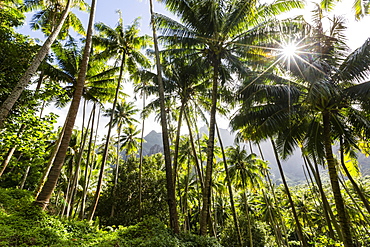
<point x="99" y="81"/>
<point x="45" y="194"/>
<point x="129" y="139"/>
<point x="124" y="45"/>
<point x="325" y="103"/>
<point x="7" y="105"/>
<point x="123" y="115"/>
<point x="171" y="198"/>
<point x="220" y="31"/>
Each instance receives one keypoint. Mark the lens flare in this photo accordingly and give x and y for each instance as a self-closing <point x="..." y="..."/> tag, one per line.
<point x="289" y="50"/>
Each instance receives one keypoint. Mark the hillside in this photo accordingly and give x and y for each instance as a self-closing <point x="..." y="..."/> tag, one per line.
<point x="293" y="166"/>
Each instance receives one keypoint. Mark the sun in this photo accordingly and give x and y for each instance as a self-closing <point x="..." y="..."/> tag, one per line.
<point x="289" y="50"/>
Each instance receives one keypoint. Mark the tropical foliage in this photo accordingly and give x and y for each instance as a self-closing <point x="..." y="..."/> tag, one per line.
<point x="288" y="87"/>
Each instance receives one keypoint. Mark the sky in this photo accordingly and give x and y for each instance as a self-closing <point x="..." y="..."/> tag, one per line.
<point x="106" y="12"/>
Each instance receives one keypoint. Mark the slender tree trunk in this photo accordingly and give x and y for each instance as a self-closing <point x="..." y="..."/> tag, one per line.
<point x="248" y="217"/>
<point x="210" y="155"/>
<point x="349" y="176"/>
<point x="86" y="184"/>
<point x="334" y="180"/>
<point x="141" y="160"/>
<point x="37" y="60"/>
<point x="67" y="193"/>
<point x="299" y="227"/>
<point x="174" y="221"/>
<point x="229" y="187"/>
<point x="50" y="161"/>
<point x="359" y="209"/>
<point x="6" y="160"/>
<point x="185" y="208"/>
<point x="280" y="221"/>
<point x="11" y="152"/>
<point x="177" y="141"/>
<point x="44" y="196"/>
<point x="116" y="172"/>
<point x="72" y="189"/>
<point x="328" y="213"/>
<point x="25" y="177"/>
<point x="106" y="146"/>
<point x="84" y="135"/>
<point x="197" y="165"/>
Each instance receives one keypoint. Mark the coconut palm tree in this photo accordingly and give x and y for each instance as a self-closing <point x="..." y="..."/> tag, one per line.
<point x="124" y="45"/>
<point x="220" y="31"/>
<point x="46" y="192"/>
<point x="99" y="82"/>
<point x="122" y="116"/>
<point x="325" y="103"/>
<point x="171" y="197"/>
<point x="47" y="14"/>
<point x="7" y="105"/>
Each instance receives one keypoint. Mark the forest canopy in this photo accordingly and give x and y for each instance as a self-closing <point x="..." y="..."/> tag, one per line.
<point x="291" y="170"/>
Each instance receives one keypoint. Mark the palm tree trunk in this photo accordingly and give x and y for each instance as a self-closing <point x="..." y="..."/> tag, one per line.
<point x="37" y="60"/>
<point x="228" y="182"/>
<point x="141" y="160"/>
<point x="328" y="213"/>
<point x="78" y="164"/>
<point x="359" y="209"/>
<point x="248" y="216"/>
<point x="334" y="180"/>
<point x="45" y="194"/>
<point x="72" y="190"/>
<point x="25" y="177"/>
<point x="106" y="146"/>
<point x="50" y="161"/>
<point x="177" y="141"/>
<point x="299" y="227"/>
<point x="116" y="171"/>
<point x="197" y="165"/>
<point x="349" y="176"/>
<point x="84" y="193"/>
<point x="185" y="199"/>
<point x="6" y="160"/>
<point x="174" y="221"/>
<point x="210" y="149"/>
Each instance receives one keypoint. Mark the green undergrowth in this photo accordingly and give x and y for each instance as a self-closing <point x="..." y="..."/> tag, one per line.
<point x="22" y="224"/>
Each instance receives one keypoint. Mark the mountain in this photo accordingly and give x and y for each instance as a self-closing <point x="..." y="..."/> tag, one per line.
<point x="153" y="143"/>
<point x="293" y="166"/>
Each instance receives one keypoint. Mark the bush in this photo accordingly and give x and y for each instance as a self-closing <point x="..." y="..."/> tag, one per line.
<point x="13" y="200"/>
<point x="153" y="232"/>
<point x="28" y="225"/>
<point x="229" y="235"/>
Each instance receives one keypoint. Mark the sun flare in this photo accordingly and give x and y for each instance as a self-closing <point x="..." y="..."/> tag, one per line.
<point x="289" y="50"/>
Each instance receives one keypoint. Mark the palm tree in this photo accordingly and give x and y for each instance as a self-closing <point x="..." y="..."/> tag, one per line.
<point x="124" y="45"/>
<point x="320" y="109"/>
<point x="36" y="61"/>
<point x="122" y="116"/>
<point x="97" y="86"/>
<point x="47" y="15"/>
<point x="220" y="31"/>
<point x="360" y="8"/>
<point x="99" y="82"/>
<point x="174" y="221"/>
<point x="45" y="194"/>
<point x="129" y="139"/>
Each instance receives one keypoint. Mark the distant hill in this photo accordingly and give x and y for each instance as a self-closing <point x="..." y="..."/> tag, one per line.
<point x="153" y="143"/>
<point x="293" y="166"/>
